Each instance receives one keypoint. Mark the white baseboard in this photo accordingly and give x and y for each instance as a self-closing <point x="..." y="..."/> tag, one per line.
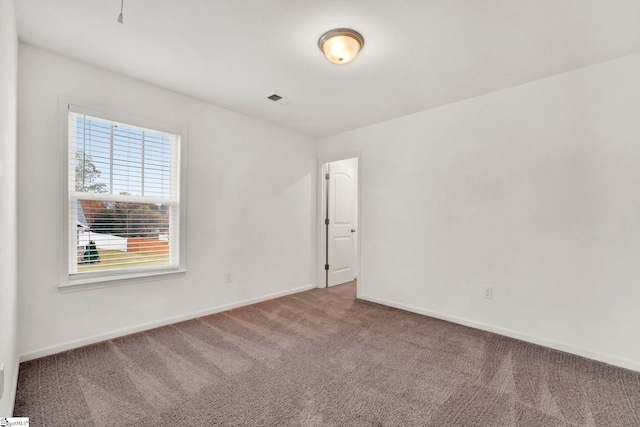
<point x="13" y="387"/>
<point x="151" y="325"/>
<point x="611" y="360"/>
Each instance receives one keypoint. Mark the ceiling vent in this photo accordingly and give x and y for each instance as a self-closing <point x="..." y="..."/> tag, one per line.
<point x="279" y="99"/>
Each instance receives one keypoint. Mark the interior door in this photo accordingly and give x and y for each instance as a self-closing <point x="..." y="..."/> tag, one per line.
<point x="341" y="210"/>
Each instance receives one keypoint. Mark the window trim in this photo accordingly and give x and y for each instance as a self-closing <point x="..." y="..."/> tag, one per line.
<point x="108" y="278"/>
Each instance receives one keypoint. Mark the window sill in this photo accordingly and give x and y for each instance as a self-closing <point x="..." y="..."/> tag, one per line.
<point x="111" y="281"/>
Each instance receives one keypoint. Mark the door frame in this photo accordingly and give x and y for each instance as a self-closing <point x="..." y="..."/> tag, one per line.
<point x="320" y="215"/>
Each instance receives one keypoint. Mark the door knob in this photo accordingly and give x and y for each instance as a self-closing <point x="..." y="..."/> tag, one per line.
<point x="353" y="230"/>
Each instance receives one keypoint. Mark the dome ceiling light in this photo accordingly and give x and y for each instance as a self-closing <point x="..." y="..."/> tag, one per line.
<point x="341" y="45"/>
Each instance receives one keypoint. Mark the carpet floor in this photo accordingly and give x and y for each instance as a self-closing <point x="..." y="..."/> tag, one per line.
<point x="323" y="358"/>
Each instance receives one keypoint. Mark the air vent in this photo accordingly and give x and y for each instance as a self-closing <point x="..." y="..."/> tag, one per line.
<point x="278" y="99"/>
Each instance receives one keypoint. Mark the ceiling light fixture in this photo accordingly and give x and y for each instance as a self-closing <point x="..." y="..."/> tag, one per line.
<point x="121" y="17"/>
<point x="341" y="45"/>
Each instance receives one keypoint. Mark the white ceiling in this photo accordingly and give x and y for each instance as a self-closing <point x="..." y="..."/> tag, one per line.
<point x="418" y="54"/>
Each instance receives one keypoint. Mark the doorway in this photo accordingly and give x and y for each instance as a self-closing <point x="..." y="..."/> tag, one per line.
<point x="339" y="222"/>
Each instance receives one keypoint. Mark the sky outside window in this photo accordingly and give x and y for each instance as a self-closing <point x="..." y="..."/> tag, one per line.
<point x="130" y="160"/>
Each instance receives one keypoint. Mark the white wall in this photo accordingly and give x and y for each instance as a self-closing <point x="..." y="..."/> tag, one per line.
<point x="534" y="190"/>
<point x="251" y="200"/>
<point x="8" y="242"/>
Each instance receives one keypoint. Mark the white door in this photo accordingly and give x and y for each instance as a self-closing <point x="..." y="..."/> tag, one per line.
<point x="341" y="206"/>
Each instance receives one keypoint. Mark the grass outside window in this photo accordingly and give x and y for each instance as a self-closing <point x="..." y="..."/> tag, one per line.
<point x="112" y="259"/>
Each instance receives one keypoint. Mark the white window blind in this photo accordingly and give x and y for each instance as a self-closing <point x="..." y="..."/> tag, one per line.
<point x="123" y="197"/>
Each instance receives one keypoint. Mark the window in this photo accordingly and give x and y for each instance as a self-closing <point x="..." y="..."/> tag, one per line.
<point x="123" y="209"/>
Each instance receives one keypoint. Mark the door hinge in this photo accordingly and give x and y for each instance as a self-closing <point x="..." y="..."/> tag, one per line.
<point x="326" y="221"/>
<point x="326" y="176"/>
<point x="326" y="266"/>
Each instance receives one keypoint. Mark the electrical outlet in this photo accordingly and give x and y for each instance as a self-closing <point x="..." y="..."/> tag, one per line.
<point x="229" y="276"/>
<point x="488" y="292"/>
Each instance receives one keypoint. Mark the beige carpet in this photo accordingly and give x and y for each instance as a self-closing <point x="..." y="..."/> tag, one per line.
<point x="323" y="358"/>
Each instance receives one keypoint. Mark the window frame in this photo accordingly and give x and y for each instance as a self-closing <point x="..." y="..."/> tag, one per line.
<point x="116" y="277"/>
